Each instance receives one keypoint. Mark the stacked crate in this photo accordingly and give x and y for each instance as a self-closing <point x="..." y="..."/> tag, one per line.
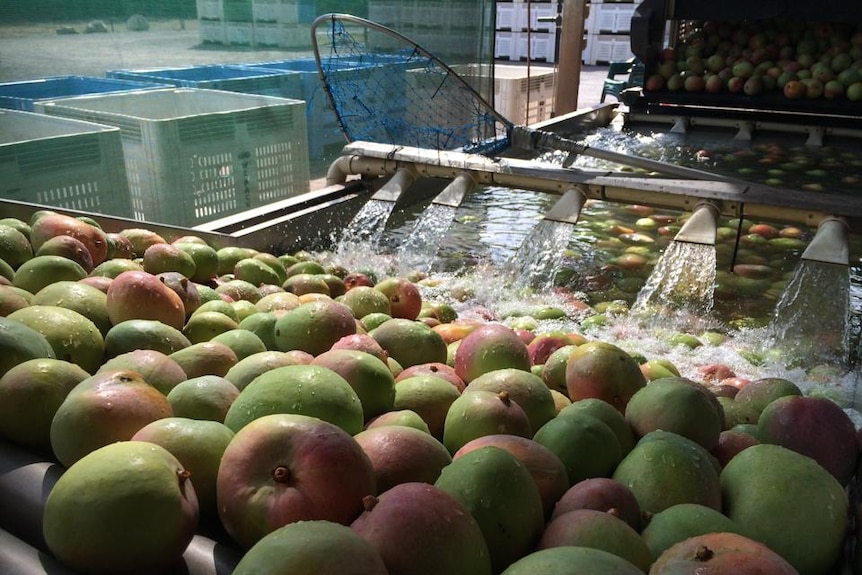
<point x="608" y="29"/>
<point x="447" y="28"/>
<point x="524" y="24"/>
<point x="525" y="31"/>
<point x="258" y="23"/>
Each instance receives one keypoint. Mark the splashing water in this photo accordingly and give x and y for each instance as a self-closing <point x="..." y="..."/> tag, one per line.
<point x="812" y="316"/>
<point x="420" y="248"/>
<point x="683" y="280"/>
<point x="366" y="227"/>
<point x="539" y="257"/>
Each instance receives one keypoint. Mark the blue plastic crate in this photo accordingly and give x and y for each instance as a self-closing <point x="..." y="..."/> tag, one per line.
<point x="238" y="78"/>
<point x="22" y="95"/>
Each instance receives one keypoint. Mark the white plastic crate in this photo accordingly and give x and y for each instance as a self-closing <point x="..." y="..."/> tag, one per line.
<point x="506" y="45"/>
<point x="506" y="16"/>
<point x="535" y="46"/>
<point x="210" y="9"/>
<point x="239" y="33"/>
<point x="196" y="155"/>
<point x="527" y="17"/>
<point x="610" y="19"/>
<point x="284" y="11"/>
<point x="511" y="97"/>
<point x="280" y="35"/>
<point x="603" y="49"/>
<point x="392" y="13"/>
<point x="212" y="32"/>
<point x="62" y="163"/>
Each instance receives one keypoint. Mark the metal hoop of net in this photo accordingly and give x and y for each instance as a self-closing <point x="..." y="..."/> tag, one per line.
<point x="385" y="88"/>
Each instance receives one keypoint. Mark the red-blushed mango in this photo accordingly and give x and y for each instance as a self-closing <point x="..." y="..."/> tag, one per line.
<point x="283" y="468"/>
<point x="601" y="494"/>
<point x="543" y="345"/>
<point x="405" y="417"/>
<point x="69" y="248"/>
<point x="479" y="413"/>
<point x="319" y="547"/>
<point x="140" y="295"/>
<point x="731" y="442"/>
<point x="160" y="258"/>
<point x="545" y="467"/>
<point x="434" y="368"/>
<point x="405" y="301"/>
<point x="813" y="426"/>
<point x="420" y="529"/>
<point x="490" y="347"/>
<point x="761" y="392"/>
<point x="362" y="342"/>
<point x="119" y="246"/>
<point x="598" y="530"/>
<point x="155" y="367"/>
<point x="124" y="508"/>
<point x="554" y="369"/>
<point x="524" y="388"/>
<point x="402" y="454"/>
<point x="56" y="224"/>
<point x="141" y="239"/>
<point x="186" y="289"/>
<point x="604" y="371"/>
<point x="205" y="358"/>
<point x="678" y="405"/>
<point x="456" y="330"/>
<point x="719" y="553"/>
<point x="429" y="396"/>
<point x="105" y="408"/>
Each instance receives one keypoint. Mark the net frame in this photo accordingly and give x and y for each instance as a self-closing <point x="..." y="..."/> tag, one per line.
<point x="386" y="88"/>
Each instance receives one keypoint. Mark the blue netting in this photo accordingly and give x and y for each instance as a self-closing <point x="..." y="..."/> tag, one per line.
<point x="404" y="95"/>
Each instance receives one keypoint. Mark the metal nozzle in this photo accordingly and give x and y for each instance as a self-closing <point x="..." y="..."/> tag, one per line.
<point x="701" y="225"/>
<point x="830" y="243"/>
<point x="453" y="194"/>
<point x="392" y="189"/>
<point x="568" y="208"/>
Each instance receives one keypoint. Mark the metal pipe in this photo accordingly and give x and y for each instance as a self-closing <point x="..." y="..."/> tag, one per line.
<point x="568" y="208"/>
<point x="397" y="184"/>
<point x="700" y="228"/>
<point x="453" y="194"/>
<point x="355" y="165"/>
<point x="830" y="243"/>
